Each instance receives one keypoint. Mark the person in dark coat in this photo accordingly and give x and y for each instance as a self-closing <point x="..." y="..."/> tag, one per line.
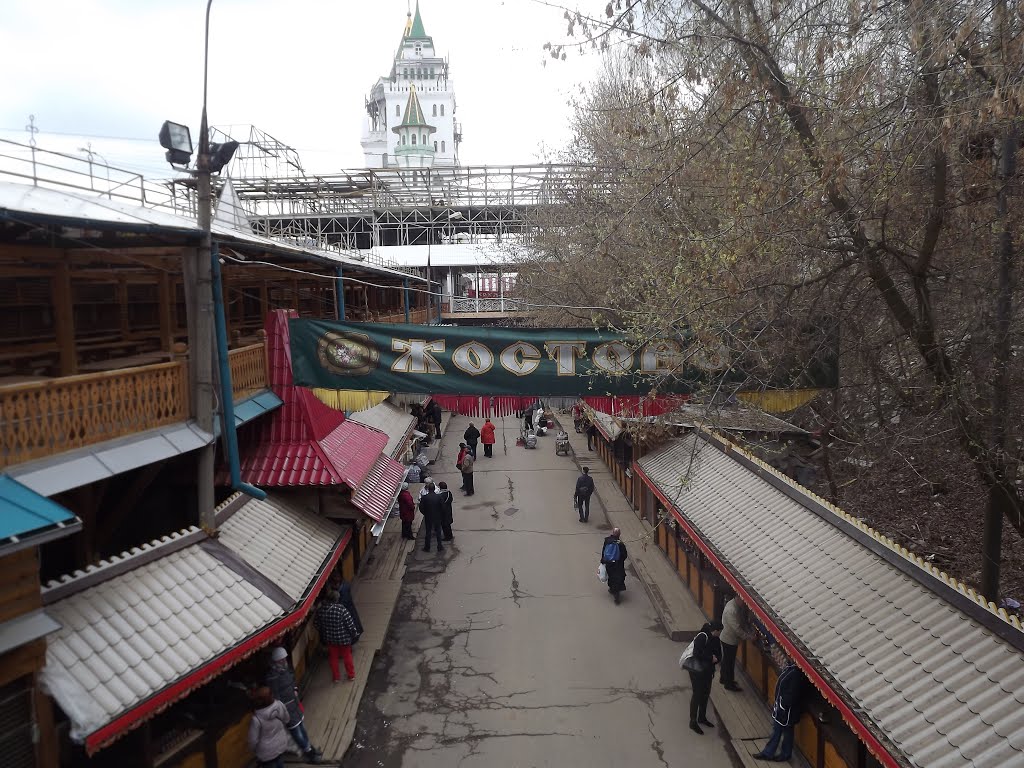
<point x="786" y="712"/>
<point x="406" y="511"/>
<point x="591" y="436"/>
<point x="447" y="514"/>
<point x="472" y="437"/>
<point x="345" y="598"/>
<point x="706" y="649"/>
<point x="337" y="632"/>
<point x="528" y="417"/>
<point x="616" y="566"/>
<point x="432" y="511"/>
<point x="581" y="496"/>
<point x="435" y="416"/>
<point x="281" y="682"/>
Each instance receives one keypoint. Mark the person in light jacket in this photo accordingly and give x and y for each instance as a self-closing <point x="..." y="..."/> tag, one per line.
<point x="268" y="729"/>
<point x="789" y="694"/>
<point x="467" y="474"/>
<point x="734" y="631"/>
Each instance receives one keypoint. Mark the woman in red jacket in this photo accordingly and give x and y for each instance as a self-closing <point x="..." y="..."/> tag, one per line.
<point x="406" y="511"/>
<point x="487" y="438"/>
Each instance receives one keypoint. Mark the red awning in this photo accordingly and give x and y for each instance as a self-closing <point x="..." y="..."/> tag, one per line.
<point x="378" y="491"/>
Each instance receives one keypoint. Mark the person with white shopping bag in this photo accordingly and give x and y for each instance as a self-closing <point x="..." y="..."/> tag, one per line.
<point x="699" y="659"/>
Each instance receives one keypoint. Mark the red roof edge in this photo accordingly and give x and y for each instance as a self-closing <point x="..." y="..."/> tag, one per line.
<point x="879" y="750"/>
<point x="159" y="701"/>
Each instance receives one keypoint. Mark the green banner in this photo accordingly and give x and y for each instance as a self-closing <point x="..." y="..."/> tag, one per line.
<point x="521" y="361"/>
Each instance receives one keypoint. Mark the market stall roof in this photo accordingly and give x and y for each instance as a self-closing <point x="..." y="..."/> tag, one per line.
<point x="141" y="630"/>
<point x="916" y="663"/>
<point x="28" y="519"/>
<point x="397" y="423"/>
<point x="726" y="418"/>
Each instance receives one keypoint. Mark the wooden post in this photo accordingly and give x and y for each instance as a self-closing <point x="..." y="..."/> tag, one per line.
<point x="64" y="319"/>
<point x="122" y="302"/>
<point x="265" y="303"/>
<point x="166" y="318"/>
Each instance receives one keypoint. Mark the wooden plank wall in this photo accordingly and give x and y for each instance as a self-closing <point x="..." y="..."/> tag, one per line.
<point x="19" y="588"/>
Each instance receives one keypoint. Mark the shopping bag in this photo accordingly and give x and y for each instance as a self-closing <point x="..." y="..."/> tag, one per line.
<point x="602" y="572"/>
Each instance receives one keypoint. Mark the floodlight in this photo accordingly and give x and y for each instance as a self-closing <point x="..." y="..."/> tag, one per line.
<point x="221" y="154"/>
<point x="177" y="140"/>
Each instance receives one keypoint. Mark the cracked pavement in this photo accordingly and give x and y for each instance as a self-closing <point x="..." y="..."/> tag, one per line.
<point x="505" y="649"/>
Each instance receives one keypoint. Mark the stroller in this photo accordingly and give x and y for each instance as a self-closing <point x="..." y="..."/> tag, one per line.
<point x="562" y="443"/>
<point x="529" y="438"/>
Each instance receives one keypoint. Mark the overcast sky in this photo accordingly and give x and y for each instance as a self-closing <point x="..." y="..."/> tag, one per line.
<point x="110" y="72"/>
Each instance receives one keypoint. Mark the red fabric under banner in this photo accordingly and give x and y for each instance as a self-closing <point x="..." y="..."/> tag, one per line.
<point x="506" y="405"/>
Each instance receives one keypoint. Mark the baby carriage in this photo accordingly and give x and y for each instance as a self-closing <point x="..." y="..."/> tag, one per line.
<point x="528" y="438"/>
<point x="562" y="443"/>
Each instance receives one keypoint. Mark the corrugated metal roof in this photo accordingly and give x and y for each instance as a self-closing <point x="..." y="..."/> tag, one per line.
<point x="352" y="449"/>
<point x="25" y="514"/>
<point x="145" y="636"/>
<point x="380" y="488"/>
<point x="393" y="421"/>
<point x="944" y="688"/>
<point x="606" y="424"/>
<point x="285" y="543"/>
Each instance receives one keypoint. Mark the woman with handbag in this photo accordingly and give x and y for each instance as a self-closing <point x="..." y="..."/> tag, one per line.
<point x="701" y="666"/>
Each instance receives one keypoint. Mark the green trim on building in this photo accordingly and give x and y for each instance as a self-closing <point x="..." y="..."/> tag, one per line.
<point x="413" y="113"/>
<point x="417" y="32"/>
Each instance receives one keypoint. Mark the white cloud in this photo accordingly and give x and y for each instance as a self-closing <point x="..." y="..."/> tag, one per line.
<point x="298" y="70"/>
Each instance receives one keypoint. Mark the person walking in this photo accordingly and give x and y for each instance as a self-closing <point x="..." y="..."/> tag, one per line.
<point x="613" y="556"/>
<point x="430" y="508"/>
<point x="734" y="631"/>
<point x="487" y="438"/>
<point x="467" y="473"/>
<point x="786" y="712"/>
<point x="463" y="450"/>
<point x="581" y="496"/>
<point x="528" y="417"/>
<point x="577" y="417"/>
<point x="706" y="651"/>
<point x="281" y="682"/>
<point x="337" y="633"/>
<point x="268" y="729"/>
<point x="435" y="416"/>
<point x="472" y="437"/>
<point x="406" y="511"/>
<point x="591" y="436"/>
<point x="447" y="516"/>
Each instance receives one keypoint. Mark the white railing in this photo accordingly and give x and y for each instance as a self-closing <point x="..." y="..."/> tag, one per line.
<point x="462" y="304"/>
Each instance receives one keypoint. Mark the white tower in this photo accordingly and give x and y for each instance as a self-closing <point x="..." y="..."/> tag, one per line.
<point x="416" y="69"/>
<point x="415" y="134"/>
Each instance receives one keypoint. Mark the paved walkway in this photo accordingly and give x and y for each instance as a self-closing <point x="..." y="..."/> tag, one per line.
<point x="505" y="649"/>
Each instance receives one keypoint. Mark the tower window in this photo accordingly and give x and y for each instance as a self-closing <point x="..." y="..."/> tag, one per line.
<point x="414" y="139"/>
<point x="435" y="146"/>
<point x="403" y="139"/>
<point x="435" y="110"/>
<point x="442" y="110"/>
<point x="442" y="146"/>
<point x="384" y="160"/>
<point x="423" y="139"/>
<point x="398" y="110"/>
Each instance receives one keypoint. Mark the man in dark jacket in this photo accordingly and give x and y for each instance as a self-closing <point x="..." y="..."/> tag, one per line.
<point x="281" y="682"/>
<point x="432" y="510"/>
<point x="345" y="598"/>
<point x="472" y="436"/>
<point x="789" y="693"/>
<point x="337" y="633"/>
<point x="435" y="416"/>
<point x="581" y="496"/>
<point x="447" y="514"/>
<point x="591" y="436"/>
<point x="614" y="560"/>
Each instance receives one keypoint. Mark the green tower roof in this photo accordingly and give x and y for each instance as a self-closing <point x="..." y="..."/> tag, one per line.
<point x="414" y="113"/>
<point x="416" y="32"/>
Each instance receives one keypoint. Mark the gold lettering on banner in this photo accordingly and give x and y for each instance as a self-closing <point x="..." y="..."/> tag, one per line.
<point x="416" y="356"/>
<point x="520" y="358"/>
<point x="613" y="357"/>
<point x="473" y="358"/>
<point x="661" y="356"/>
<point x="565" y="354"/>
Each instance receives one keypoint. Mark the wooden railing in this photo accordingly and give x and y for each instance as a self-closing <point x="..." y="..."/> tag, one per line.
<point x="248" y="370"/>
<point x="418" y="316"/>
<point x="43" y="418"/>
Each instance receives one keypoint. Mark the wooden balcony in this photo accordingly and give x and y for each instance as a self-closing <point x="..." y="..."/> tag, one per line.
<point x="49" y="416"/>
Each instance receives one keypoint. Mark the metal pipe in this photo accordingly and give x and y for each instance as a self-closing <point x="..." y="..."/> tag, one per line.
<point x="227" y="399"/>
<point x="405" y="297"/>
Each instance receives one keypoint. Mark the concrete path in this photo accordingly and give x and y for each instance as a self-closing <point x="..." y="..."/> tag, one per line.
<point x="505" y="649"/>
